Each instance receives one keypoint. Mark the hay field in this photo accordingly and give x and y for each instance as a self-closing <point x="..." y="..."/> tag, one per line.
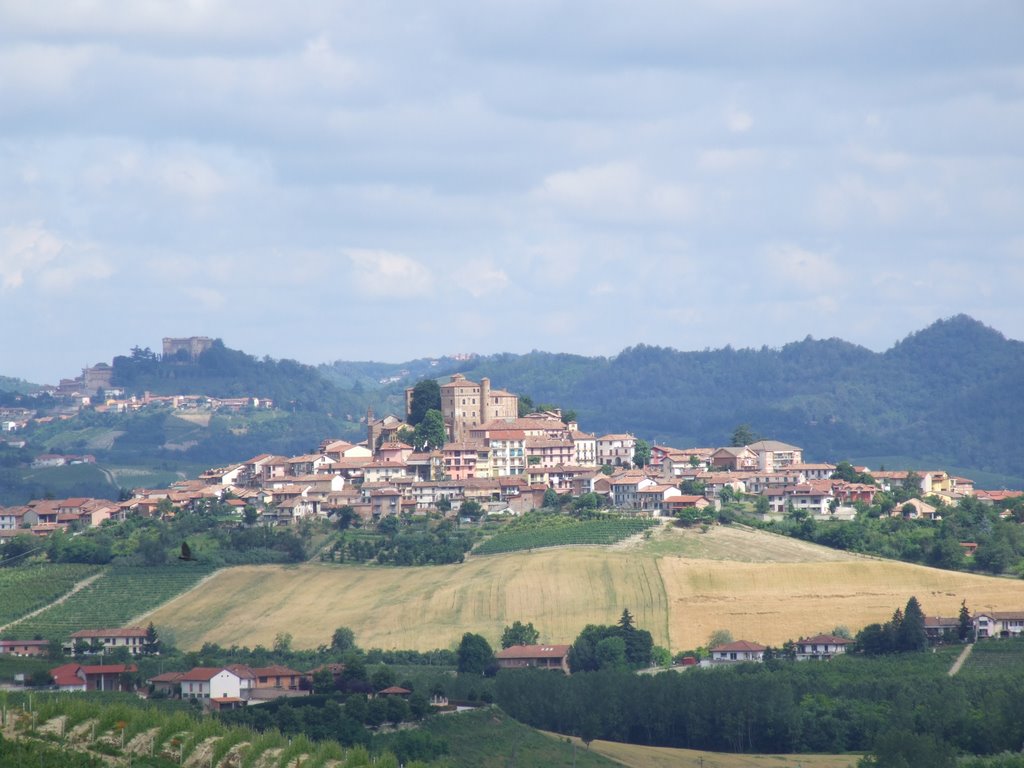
<point x="560" y="591"/>
<point x="681" y="586"/>
<point x="636" y="756"/>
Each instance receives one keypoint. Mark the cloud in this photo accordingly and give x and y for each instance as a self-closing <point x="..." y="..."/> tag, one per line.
<point x="32" y="255"/>
<point x="617" y="191"/>
<point x="480" y="278"/>
<point x="790" y="265"/>
<point x="738" y="121"/>
<point x="25" y="251"/>
<point x="382" y="273"/>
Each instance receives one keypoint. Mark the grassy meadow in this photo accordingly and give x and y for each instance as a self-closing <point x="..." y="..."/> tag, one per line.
<point x="679" y="585"/>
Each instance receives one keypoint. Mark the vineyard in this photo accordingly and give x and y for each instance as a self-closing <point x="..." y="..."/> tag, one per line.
<point x="25" y="589"/>
<point x="994" y="657"/>
<point x="114" y="599"/>
<point x="149" y="736"/>
<point x="558" y="530"/>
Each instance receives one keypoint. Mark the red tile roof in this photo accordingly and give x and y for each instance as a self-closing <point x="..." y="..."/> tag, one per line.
<point x="533" y="652"/>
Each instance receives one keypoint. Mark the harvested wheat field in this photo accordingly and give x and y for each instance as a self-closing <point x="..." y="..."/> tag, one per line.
<point x="681" y="586"/>
<point x="636" y="756"/>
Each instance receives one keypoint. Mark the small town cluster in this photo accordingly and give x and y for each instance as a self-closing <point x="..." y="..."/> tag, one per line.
<point x="507" y="464"/>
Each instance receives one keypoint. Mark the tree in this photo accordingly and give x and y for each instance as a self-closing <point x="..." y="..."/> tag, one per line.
<point x="742" y="436"/>
<point x="471" y="509"/>
<point x="525" y="405"/>
<point x="282" y="642"/>
<point x="519" y="634"/>
<point x="250" y="514"/>
<point x="345" y="516"/>
<point x="626" y="620"/>
<point x="910" y="635"/>
<point x="343" y="639"/>
<point x="474" y="654"/>
<point x="430" y="433"/>
<point x="964" y="624"/>
<point x="426" y="396"/>
<point x="611" y="653"/>
<point x="761" y="505"/>
<point x="719" y="637"/>
<point x="551" y="499"/>
<point x="641" y="453"/>
<point x="151" y="645"/>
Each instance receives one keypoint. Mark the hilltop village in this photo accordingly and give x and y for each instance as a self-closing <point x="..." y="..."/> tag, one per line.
<point x="505" y="464"/>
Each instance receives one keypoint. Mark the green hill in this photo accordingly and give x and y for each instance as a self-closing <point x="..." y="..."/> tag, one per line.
<point x="949" y="395"/>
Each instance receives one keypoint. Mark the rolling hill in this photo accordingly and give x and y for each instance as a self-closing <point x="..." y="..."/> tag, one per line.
<point x="680" y="585"/>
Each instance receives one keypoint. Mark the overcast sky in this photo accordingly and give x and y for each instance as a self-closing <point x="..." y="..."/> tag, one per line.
<point x="386" y="180"/>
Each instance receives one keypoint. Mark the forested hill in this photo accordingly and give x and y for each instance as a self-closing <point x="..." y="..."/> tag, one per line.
<point x="951" y="394"/>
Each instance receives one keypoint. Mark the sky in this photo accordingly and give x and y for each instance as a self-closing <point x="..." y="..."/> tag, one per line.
<point x="386" y="180"/>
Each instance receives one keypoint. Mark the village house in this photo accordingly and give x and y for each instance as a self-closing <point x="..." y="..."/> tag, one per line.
<point x="24" y="647"/>
<point x="940" y="627"/>
<point x="999" y="624"/>
<point x="537" y="656"/>
<point x="131" y="638"/>
<point x="94" y="677"/>
<point x="616" y="450"/>
<point x="508" y="451"/>
<point x="626" y="488"/>
<point x="657" y="498"/>
<point x="740" y="650"/>
<point x="734" y="459"/>
<point x="549" y="452"/>
<point x="820" y="647"/>
<point x="773" y="455"/>
<point x="231" y="684"/>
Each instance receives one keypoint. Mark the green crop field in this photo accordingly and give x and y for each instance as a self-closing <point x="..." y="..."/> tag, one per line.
<point x="118" y="596"/>
<point x="25" y="589"/>
<point x="556" y="531"/>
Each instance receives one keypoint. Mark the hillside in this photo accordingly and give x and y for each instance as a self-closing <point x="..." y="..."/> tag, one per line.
<point x="680" y="585"/>
<point x="948" y="395"/>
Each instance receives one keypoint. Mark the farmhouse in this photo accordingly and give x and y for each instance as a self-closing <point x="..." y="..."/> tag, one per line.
<point x="820" y="647"/>
<point x="132" y="638"/>
<point x="24" y="647"/>
<point x="740" y="650"/>
<point x="539" y="656"/>
<point x="231" y="684"/>
<point x="999" y="624"/>
<point x="97" y="677"/>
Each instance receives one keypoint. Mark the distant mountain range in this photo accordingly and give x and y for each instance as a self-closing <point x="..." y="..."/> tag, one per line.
<point x="949" y="396"/>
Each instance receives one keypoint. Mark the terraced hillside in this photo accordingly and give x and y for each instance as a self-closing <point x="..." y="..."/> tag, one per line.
<point x="680" y="585"/>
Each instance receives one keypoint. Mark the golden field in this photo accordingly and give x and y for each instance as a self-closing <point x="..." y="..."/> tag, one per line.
<point x="635" y="756"/>
<point x="679" y="585"/>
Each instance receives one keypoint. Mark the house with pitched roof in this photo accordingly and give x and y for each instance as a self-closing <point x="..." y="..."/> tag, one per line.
<point x="534" y="656"/>
<point x="740" y="650"/>
<point x="93" y="677"/>
<point x="821" y="647"/>
<point x="131" y="638"/>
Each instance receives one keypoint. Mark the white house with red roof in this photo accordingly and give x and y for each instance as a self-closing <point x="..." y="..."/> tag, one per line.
<point x="234" y="682"/>
<point x="740" y="650"/>
<point x="92" y="677"/>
